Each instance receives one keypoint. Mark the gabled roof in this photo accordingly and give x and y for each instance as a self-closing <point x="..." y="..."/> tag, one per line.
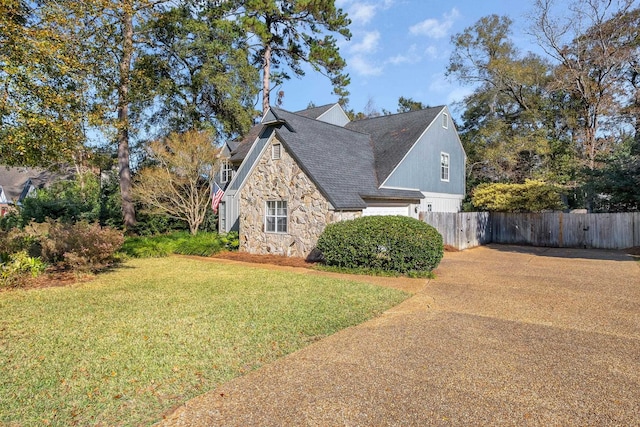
<point x="240" y="148"/>
<point x="315" y="112"/>
<point x="16" y="181"/>
<point x="340" y="161"/>
<point x="394" y="135"/>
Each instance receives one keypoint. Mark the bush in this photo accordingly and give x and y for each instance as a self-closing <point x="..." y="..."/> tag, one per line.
<point x="16" y="266"/>
<point x="532" y="196"/>
<point x="202" y="244"/>
<point x="388" y="243"/>
<point x="81" y="246"/>
<point x="28" y="239"/>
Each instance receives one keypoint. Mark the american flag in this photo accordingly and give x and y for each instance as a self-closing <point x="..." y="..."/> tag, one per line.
<point x="216" y="196"/>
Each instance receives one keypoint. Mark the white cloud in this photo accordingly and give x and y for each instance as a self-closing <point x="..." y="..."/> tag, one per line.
<point x="368" y="44"/>
<point x="440" y="84"/>
<point x="411" y="57"/>
<point x="432" y="52"/>
<point x="362" y="13"/>
<point x="434" y="28"/>
<point x="363" y="67"/>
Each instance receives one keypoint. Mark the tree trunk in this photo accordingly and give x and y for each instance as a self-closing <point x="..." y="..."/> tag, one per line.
<point x="128" y="210"/>
<point x="266" y="71"/>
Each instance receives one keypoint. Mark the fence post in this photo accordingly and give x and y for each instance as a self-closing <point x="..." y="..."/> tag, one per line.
<point x="560" y="235"/>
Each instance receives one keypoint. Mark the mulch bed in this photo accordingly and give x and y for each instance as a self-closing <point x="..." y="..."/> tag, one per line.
<point x="52" y="278"/>
<point x="266" y="259"/>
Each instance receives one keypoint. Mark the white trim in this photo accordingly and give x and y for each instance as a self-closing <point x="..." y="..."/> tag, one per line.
<point x="226" y="171"/>
<point x="341" y="110"/>
<point x="399" y="188"/>
<point x="445" y="120"/>
<point x="430" y="195"/>
<point x="253" y="165"/>
<point x="276" y="216"/>
<point x="276" y="154"/>
<point x="412" y="148"/>
<point x="444" y="165"/>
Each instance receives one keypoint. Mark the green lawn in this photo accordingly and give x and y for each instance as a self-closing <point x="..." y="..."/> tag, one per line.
<point x="138" y="341"/>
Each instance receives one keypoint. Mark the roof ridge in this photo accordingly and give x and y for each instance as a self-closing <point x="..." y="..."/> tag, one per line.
<point x="325" y="123"/>
<point x="437" y="107"/>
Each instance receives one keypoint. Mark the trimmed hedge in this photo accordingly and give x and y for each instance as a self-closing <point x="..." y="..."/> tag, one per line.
<point x="389" y="243"/>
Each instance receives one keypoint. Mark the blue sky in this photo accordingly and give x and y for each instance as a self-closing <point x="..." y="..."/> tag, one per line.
<point x="401" y="48"/>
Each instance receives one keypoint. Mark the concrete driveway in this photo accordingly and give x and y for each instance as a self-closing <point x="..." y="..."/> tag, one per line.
<point x="504" y="335"/>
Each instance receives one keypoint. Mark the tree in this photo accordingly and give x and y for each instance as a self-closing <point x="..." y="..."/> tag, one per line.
<point x="408" y="104"/>
<point x="41" y="109"/>
<point x="291" y="33"/>
<point x="505" y="130"/>
<point x="179" y="182"/>
<point x="108" y="46"/>
<point x="591" y="47"/>
<point x="198" y="64"/>
<point x="617" y="182"/>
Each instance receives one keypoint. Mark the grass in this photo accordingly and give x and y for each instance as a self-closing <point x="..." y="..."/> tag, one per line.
<point x="203" y="244"/>
<point x="142" y="339"/>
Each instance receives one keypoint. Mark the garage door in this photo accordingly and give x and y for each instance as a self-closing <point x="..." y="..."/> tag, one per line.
<point x="386" y="210"/>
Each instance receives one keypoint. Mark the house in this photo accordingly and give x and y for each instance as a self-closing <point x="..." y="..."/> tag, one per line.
<point x="17" y="183"/>
<point x="294" y="173"/>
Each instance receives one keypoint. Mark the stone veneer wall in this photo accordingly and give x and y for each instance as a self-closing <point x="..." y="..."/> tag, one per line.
<point x="308" y="210"/>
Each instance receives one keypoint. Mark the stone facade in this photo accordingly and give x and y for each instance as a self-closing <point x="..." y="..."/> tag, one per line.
<point x="307" y="209"/>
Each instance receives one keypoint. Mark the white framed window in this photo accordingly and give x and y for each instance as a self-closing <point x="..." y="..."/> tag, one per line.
<point x="222" y="217"/>
<point x="444" y="167"/>
<point x="276" y="151"/>
<point x="429" y="207"/>
<point x="445" y="120"/>
<point x="226" y="171"/>
<point x="275" y="220"/>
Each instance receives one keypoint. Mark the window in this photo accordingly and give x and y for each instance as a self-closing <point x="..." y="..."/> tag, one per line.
<point x="222" y="217"/>
<point x="276" y="217"/>
<point x="445" y="120"/>
<point x="444" y="167"/>
<point x="226" y="171"/>
<point x="429" y="207"/>
<point x="275" y="151"/>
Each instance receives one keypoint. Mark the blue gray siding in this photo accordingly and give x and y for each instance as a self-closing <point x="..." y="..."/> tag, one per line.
<point x="335" y="116"/>
<point x="231" y="203"/>
<point x="420" y="169"/>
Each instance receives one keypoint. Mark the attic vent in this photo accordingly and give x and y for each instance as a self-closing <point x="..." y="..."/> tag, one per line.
<point x="275" y="151"/>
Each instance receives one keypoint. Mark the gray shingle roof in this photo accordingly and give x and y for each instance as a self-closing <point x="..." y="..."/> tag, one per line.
<point x="394" y="135"/>
<point x="339" y="160"/>
<point x="243" y="145"/>
<point x="13" y="180"/>
<point x="315" y="112"/>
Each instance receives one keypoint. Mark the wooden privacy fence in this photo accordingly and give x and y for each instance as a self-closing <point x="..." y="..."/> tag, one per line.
<point x="556" y="229"/>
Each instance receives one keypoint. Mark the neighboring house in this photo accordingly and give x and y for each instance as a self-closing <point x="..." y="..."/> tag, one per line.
<point x="294" y="173"/>
<point x="17" y="183"/>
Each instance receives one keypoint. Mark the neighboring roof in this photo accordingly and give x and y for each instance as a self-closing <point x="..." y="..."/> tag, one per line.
<point x="315" y="112"/>
<point x="243" y="145"/>
<point x="394" y="135"/>
<point x="16" y="181"/>
<point x="340" y="161"/>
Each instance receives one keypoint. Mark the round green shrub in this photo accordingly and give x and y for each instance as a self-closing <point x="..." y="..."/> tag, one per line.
<point x="389" y="243"/>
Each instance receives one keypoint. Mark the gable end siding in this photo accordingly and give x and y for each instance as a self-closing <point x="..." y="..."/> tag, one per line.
<point x="421" y="166"/>
<point x="335" y="116"/>
<point x="308" y="210"/>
